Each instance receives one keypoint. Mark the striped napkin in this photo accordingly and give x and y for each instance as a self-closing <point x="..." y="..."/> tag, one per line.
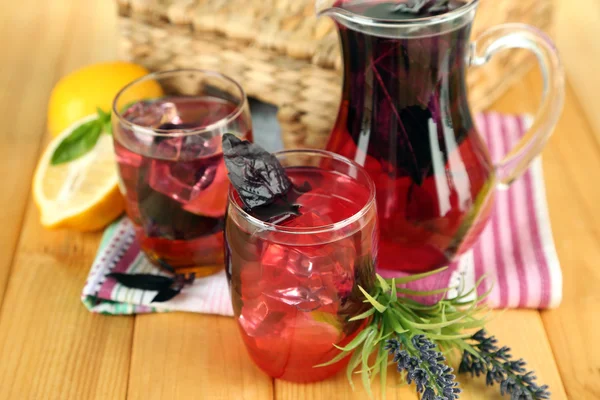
<point x="515" y="252"/>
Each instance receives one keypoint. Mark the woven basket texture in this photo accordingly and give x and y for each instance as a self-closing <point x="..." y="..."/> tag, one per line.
<point x="284" y="55"/>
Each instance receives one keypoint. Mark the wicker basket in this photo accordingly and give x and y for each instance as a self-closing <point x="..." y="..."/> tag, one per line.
<point x="283" y="55"/>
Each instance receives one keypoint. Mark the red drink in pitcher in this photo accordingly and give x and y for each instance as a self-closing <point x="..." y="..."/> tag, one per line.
<point x="405" y="117"/>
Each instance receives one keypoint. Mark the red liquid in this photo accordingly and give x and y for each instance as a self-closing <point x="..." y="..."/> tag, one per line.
<point x="405" y="117"/>
<point x="293" y="294"/>
<point x="176" y="186"/>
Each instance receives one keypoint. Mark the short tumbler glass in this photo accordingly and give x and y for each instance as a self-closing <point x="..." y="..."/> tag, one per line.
<point x="171" y="167"/>
<point x="294" y="286"/>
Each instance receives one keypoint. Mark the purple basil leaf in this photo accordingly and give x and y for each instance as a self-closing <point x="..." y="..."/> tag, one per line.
<point x="142" y="281"/>
<point x="165" y="295"/>
<point x="256" y="174"/>
<point x="276" y="212"/>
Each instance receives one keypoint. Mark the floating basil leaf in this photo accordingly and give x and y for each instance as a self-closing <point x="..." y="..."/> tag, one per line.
<point x="283" y="208"/>
<point x="143" y="281"/>
<point x="256" y="174"/>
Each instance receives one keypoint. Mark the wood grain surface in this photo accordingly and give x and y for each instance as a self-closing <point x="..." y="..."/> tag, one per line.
<point x="52" y="348"/>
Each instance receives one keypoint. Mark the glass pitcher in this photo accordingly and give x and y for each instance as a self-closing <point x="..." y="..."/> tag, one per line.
<point x="405" y="117"/>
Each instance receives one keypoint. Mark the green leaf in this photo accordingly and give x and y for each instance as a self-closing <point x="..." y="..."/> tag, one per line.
<point x="104" y="118"/>
<point x="343" y="354"/>
<point x="384" y="337"/>
<point x="394" y="324"/>
<point x="436" y="336"/>
<point x="366" y="352"/>
<point x="380" y="307"/>
<point x="383" y="372"/>
<point x="383" y="284"/>
<point x="402" y="309"/>
<point x="362" y="335"/>
<point x="422" y="293"/>
<point x="364" y="315"/>
<point x="416" y="277"/>
<point x="415" y="305"/>
<point x="79" y="142"/>
<point x="352" y="364"/>
<point x="393" y="292"/>
<point x="440" y="325"/>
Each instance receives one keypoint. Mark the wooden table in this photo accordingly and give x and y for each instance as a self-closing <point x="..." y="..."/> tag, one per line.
<point x="52" y="348"/>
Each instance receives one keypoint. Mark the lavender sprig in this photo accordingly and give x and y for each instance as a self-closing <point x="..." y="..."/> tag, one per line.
<point x="426" y="366"/>
<point x="415" y="334"/>
<point x="497" y="365"/>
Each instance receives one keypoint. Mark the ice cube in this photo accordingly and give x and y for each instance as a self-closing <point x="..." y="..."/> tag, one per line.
<point x="308" y="277"/>
<point x="182" y="181"/>
<point x="167" y="148"/>
<point x="152" y="114"/>
<point x="200" y="145"/>
<point x="258" y="319"/>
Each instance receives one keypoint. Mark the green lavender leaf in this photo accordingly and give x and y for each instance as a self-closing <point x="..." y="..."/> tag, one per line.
<point x="370" y="299"/>
<point x="384" y="285"/>
<point x="364" y="315"/>
<point x="435" y="336"/>
<point x="394" y="323"/>
<point x="440" y="325"/>
<point x="419" y="293"/>
<point x="343" y="354"/>
<point x="393" y="292"/>
<point x="383" y="371"/>
<point x="394" y="317"/>
<point x="352" y="364"/>
<point x="366" y="352"/>
<point x="417" y="277"/>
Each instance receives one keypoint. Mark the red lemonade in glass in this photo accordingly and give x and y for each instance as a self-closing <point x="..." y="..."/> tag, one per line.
<point x="294" y="282"/>
<point x="173" y="176"/>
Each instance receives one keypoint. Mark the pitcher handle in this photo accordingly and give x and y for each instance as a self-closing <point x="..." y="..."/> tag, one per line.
<point x="510" y="36"/>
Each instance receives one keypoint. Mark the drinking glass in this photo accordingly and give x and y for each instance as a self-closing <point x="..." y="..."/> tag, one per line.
<point x="294" y="284"/>
<point x="171" y="167"/>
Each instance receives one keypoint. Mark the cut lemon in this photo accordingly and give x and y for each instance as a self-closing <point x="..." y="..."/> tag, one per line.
<point x="81" y="92"/>
<point x="82" y="194"/>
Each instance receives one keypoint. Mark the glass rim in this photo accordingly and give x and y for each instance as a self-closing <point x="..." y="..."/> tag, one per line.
<point x="180" y="132"/>
<point x="269" y="226"/>
<point x="405" y="23"/>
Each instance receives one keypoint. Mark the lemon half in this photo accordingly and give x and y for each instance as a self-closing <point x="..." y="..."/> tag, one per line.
<point x="82" y="194"/>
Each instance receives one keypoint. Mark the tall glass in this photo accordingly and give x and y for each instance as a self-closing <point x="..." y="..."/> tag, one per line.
<point x="294" y="285"/>
<point x="171" y="165"/>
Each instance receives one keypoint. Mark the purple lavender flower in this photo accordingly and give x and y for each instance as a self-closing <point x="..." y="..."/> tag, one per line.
<point x="425" y="366"/>
<point x="498" y="367"/>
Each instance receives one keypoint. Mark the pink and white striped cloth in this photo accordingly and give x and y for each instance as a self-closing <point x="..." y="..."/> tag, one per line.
<point x="517" y="248"/>
<point x="515" y="252"/>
